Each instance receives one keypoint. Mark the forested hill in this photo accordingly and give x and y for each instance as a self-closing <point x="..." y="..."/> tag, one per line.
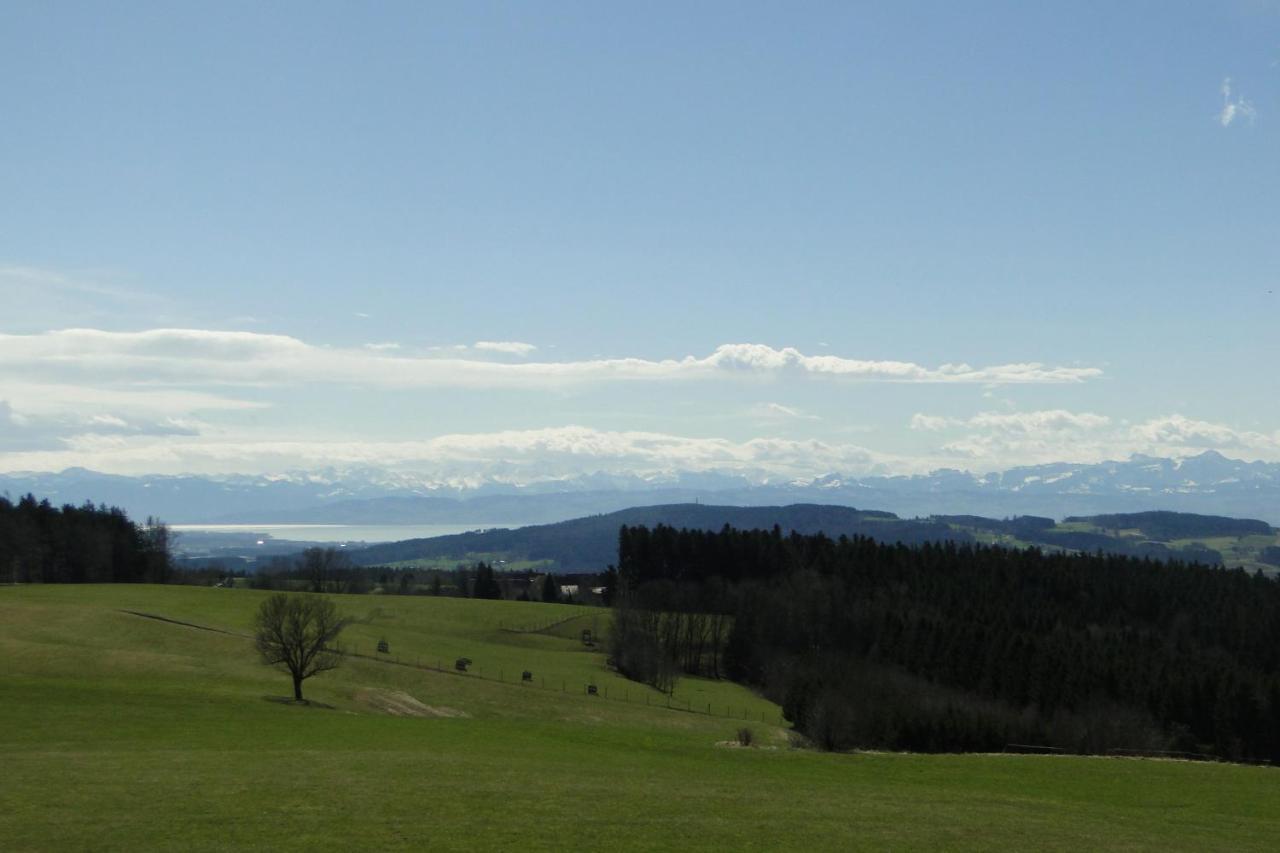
<point x="1176" y="525"/>
<point x="591" y="543"/>
<point x="943" y="647"/>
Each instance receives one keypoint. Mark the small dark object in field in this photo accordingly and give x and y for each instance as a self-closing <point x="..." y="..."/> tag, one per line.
<point x="746" y="737"/>
<point x="526" y="676"/>
<point x="461" y="664"/>
<point x="586" y="636"/>
<point x="591" y="689"/>
<point x="384" y="647"/>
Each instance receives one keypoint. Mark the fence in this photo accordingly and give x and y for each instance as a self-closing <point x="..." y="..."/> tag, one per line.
<point x="538" y="628"/>
<point x="687" y="706"/>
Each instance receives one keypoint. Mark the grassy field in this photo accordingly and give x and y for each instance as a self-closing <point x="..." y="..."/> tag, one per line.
<point x="1238" y="552"/>
<point x="119" y="731"/>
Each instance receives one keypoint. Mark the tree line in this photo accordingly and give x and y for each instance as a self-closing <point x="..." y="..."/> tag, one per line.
<point x="41" y="543"/>
<point x="950" y="647"/>
<point x="330" y="570"/>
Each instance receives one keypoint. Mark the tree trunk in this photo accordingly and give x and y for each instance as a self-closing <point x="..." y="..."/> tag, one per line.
<point x="297" y="688"/>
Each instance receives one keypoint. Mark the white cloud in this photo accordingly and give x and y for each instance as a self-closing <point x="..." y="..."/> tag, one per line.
<point x="50" y="429"/>
<point x="516" y="455"/>
<point x="55" y="399"/>
<point x="989" y="441"/>
<point x="1043" y="421"/>
<point x="777" y="410"/>
<point x="1051" y="420"/>
<point x="1236" y="108"/>
<point x="505" y="347"/>
<point x="197" y="356"/>
<point x="1001" y="439"/>
<point x="932" y="423"/>
<point x="992" y="440"/>
<point x="1177" y="431"/>
<point x="385" y="347"/>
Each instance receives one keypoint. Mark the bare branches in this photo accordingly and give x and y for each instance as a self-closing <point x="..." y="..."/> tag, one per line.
<point x="299" y="633"/>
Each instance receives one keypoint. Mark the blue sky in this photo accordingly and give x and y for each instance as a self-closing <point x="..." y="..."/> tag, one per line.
<point x="328" y="206"/>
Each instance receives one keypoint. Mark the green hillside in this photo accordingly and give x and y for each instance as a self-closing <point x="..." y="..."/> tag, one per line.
<point x="119" y="731"/>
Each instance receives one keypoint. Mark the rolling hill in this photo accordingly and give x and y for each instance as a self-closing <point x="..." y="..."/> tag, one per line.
<point x="590" y="543"/>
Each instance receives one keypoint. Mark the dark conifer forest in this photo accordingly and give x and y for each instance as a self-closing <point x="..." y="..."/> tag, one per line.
<point x="41" y="543"/>
<point x="960" y="647"/>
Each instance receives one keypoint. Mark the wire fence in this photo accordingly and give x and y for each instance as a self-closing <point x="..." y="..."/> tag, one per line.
<point x="642" y="698"/>
<point x="538" y="628"/>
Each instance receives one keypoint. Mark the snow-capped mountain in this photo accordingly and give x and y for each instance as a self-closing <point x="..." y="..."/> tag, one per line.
<point x="1208" y="483"/>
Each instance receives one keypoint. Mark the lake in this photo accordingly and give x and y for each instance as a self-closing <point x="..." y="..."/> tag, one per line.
<point x="334" y="532"/>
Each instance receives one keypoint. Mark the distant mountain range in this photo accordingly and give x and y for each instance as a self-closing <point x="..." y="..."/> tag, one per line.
<point x="1208" y="483"/>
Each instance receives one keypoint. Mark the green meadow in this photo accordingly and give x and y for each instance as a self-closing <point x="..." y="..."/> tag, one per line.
<point x="119" y="731"/>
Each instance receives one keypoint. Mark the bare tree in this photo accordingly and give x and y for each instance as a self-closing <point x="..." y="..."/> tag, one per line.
<point x="297" y="633"/>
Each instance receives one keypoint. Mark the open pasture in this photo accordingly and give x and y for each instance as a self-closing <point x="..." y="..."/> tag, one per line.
<point x="124" y="732"/>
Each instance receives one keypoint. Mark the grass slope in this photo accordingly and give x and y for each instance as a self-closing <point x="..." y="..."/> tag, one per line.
<point x="120" y="732"/>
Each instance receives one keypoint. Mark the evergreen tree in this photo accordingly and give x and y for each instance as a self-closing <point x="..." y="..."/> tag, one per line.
<point x="486" y="585"/>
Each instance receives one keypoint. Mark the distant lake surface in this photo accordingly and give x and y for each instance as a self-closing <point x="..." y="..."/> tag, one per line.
<point x="334" y="532"/>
